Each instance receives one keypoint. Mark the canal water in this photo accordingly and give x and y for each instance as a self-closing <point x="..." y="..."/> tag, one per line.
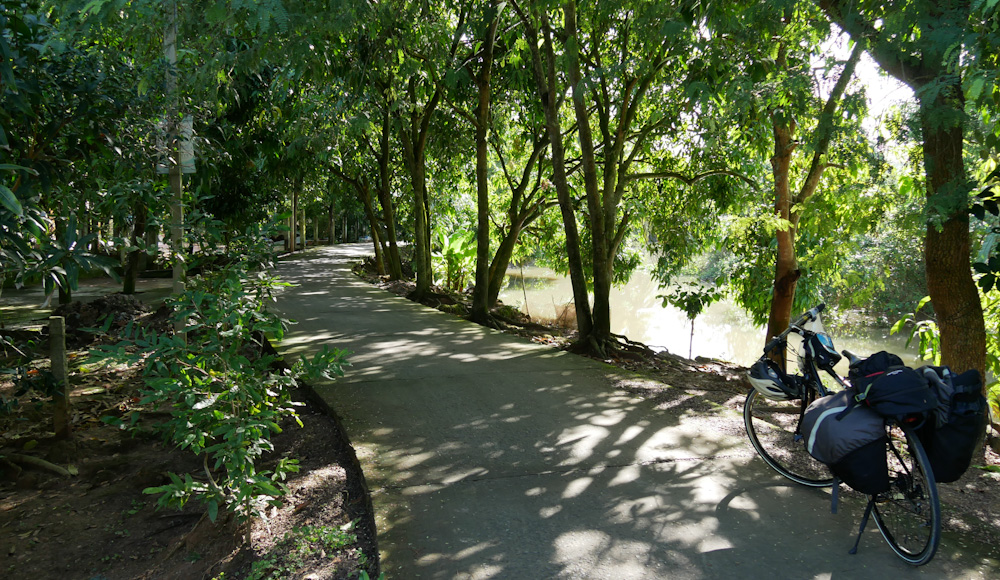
<point x="724" y="331"/>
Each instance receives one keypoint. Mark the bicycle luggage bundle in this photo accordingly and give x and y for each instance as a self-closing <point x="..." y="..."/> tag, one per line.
<point x="951" y="408"/>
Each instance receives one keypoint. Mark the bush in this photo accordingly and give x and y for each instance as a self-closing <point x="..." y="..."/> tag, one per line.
<point x="225" y="393"/>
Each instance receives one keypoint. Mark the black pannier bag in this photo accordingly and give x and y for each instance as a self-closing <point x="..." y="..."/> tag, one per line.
<point x="956" y="427"/>
<point x="851" y="444"/>
<point x="899" y="392"/>
<point x="867" y="370"/>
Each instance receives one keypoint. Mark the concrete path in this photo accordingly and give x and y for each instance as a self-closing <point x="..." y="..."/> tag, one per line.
<point x="492" y="457"/>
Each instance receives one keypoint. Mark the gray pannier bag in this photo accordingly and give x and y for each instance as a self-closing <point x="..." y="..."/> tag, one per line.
<point x="851" y="444"/>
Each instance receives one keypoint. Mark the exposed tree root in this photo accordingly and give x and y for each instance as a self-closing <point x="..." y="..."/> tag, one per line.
<point x="613" y="346"/>
<point x="36" y="462"/>
<point x="490" y="321"/>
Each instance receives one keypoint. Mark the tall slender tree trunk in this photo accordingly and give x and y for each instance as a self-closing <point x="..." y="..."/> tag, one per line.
<point x="414" y="140"/>
<point x="596" y="208"/>
<point x="480" y="295"/>
<point x="302" y="229"/>
<point x="421" y="215"/>
<point x="544" y="61"/>
<point x="332" y="219"/>
<point x="134" y="262"/>
<point x="395" y="263"/>
<point x="292" y="231"/>
<point x="786" y="272"/>
<point x="364" y="193"/>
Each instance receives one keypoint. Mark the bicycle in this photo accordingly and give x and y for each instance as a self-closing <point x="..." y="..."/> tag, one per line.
<point x="909" y="514"/>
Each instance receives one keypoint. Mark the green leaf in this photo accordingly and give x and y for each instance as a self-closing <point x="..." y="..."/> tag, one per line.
<point x="976" y="89"/>
<point x="10" y="201"/>
<point x="213" y="510"/>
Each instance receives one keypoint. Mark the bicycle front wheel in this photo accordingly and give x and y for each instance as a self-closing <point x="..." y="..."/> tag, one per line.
<point x="909" y="514"/>
<point x="771" y="426"/>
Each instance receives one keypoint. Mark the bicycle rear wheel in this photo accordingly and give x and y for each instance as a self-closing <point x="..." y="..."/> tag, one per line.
<point x="909" y="514"/>
<point x="771" y="426"/>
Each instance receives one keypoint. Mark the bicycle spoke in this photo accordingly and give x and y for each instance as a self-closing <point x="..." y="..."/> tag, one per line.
<point x="909" y="515"/>
<point x="771" y="426"/>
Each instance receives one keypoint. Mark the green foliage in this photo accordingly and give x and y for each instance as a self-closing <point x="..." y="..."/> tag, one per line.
<point x="67" y="256"/>
<point x="991" y="315"/>
<point x="455" y="255"/>
<point x="693" y="301"/>
<point x="923" y="329"/>
<point x="217" y="380"/>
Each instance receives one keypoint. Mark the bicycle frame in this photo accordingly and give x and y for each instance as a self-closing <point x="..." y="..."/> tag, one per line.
<point x="909" y="514"/>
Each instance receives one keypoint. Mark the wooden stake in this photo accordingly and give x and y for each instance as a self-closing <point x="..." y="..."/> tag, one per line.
<point x="57" y="350"/>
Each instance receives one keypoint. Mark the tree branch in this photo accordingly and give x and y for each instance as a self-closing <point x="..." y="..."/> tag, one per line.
<point x="691" y="180"/>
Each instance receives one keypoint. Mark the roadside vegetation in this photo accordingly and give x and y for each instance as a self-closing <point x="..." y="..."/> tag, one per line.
<point x="729" y="140"/>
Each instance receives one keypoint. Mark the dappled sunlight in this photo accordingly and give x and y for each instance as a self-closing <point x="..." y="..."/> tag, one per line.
<point x="576" y="487"/>
<point x="493" y="457"/>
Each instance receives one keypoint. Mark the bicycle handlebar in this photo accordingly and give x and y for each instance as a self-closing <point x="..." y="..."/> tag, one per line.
<point x="807" y="316"/>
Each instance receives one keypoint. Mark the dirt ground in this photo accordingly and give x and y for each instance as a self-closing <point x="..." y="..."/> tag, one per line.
<point x="95" y="522"/>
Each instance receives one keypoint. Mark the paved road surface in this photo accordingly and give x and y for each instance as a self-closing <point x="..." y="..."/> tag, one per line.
<point x="492" y="457"/>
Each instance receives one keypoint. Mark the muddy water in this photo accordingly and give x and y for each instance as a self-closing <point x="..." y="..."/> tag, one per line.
<point x="723" y="331"/>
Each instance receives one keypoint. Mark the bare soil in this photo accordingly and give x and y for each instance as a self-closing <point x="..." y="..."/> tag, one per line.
<point x="97" y="523"/>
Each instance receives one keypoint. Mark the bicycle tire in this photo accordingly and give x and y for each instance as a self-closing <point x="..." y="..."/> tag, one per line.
<point x="909" y="514"/>
<point x="771" y="427"/>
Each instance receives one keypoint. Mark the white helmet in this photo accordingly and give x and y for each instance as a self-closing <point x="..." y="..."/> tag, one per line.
<point x="770" y="381"/>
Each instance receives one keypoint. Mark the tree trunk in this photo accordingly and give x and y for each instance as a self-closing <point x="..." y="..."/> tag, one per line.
<point x="395" y="263"/>
<point x="302" y="229"/>
<point x="332" y="219"/>
<point x="414" y="136"/>
<point x="480" y="295"/>
<point x="786" y="273"/>
<point x="292" y="231"/>
<point x="421" y="238"/>
<point x="545" y="77"/>
<point x="364" y="194"/>
<point x="947" y="251"/>
<point x="501" y="260"/>
<point x="600" y="330"/>
<point x="134" y="262"/>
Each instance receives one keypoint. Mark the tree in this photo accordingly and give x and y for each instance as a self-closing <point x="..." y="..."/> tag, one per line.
<point x="481" y="294"/>
<point x="430" y="50"/>
<point x="926" y="46"/>
<point x="787" y="206"/>
<point x="623" y="66"/>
